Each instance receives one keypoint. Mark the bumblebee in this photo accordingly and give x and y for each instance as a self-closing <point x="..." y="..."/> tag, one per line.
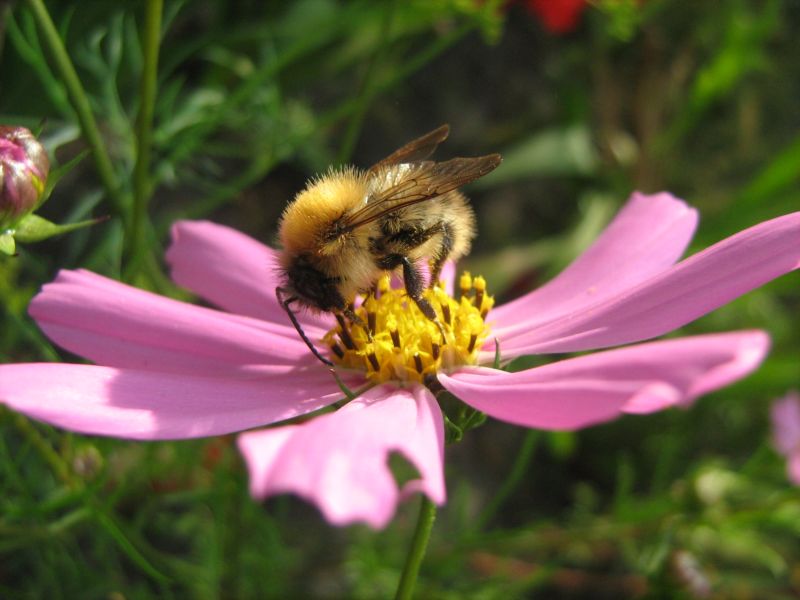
<point x="349" y="227"/>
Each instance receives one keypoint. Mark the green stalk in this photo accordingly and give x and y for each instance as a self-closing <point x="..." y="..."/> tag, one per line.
<point x="144" y="134"/>
<point x="365" y="95"/>
<point x="98" y="510"/>
<point x="263" y="164"/>
<point x="4" y="12"/>
<point x="58" y="465"/>
<point x="80" y="103"/>
<point x="511" y="483"/>
<point x="419" y="543"/>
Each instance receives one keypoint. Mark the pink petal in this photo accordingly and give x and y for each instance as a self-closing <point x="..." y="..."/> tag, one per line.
<point x="231" y="270"/>
<point x="668" y="300"/>
<point x="793" y="467"/>
<point x="338" y="461"/>
<point x="148" y="406"/>
<point x="117" y="325"/>
<point x="785" y="416"/>
<point x="582" y="391"/>
<point x="648" y="235"/>
<point x="448" y="275"/>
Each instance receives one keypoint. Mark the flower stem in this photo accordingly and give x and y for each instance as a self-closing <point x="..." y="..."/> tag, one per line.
<point x="151" y="39"/>
<point x="365" y="94"/>
<point x="419" y="543"/>
<point x="80" y="103"/>
<point x="518" y="470"/>
<point x="59" y="466"/>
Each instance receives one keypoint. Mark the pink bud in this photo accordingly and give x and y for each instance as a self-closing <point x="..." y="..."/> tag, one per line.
<point x="23" y="171"/>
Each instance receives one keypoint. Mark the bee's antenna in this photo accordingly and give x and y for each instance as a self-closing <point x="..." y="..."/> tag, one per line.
<point x="285" y="302"/>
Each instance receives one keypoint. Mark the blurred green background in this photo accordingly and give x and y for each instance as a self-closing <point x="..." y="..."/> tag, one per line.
<point x="699" y="98"/>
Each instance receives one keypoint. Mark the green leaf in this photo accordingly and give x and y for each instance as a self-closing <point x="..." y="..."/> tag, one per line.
<point x="34" y="228"/>
<point x="124" y="543"/>
<point x="780" y="174"/>
<point x="58" y="173"/>
<point x="561" y="152"/>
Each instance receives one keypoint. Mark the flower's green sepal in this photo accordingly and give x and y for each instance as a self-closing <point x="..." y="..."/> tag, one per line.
<point x="452" y="432"/>
<point x="472" y="418"/>
<point x="7" y="244"/>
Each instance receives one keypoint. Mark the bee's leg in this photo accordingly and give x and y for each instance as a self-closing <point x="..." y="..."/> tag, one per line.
<point x="412" y="279"/>
<point x="408" y="238"/>
<point x="445" y="248"/>
<point x="285" y="302"/>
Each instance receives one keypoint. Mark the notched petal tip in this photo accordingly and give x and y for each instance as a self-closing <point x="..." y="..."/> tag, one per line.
<point x="664" y="198"/>
<point x="339" y="461"/>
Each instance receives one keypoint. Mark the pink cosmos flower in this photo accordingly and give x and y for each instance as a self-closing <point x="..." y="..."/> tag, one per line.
<point x="786" y="432"/>
<point x="167" y="369"/>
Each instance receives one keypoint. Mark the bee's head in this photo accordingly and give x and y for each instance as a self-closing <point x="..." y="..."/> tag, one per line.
<point x="306" y="223"/>
<point x="311" y="286"/>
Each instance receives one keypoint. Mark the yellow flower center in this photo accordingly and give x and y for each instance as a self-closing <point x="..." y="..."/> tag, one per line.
<point x="404" y="345"/>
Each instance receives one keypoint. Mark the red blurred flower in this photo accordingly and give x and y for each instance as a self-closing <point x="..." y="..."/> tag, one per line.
<point x="558" y="16"/>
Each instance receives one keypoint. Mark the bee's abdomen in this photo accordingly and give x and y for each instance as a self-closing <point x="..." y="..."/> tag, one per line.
<point x="444" y="225"/>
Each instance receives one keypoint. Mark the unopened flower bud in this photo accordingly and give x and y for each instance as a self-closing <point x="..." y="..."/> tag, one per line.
<point x="87" y="462"/>
<point x="23" y="171"/>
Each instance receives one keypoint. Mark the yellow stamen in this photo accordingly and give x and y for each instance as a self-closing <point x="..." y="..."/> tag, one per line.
<point x="479" y="283"/>
<point x="406" y="346"/>
<point x="384" y="285"/>
<point x="465" y="283"/>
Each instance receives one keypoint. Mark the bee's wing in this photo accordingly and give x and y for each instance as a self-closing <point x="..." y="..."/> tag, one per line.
<point x="416" y="150"/>
<point x="421" y="182"/>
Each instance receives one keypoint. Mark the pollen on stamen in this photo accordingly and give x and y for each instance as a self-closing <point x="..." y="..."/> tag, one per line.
<point x="479" y="283"/>
<point x="465" y="283"/>
<point x="405" y="346"/>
